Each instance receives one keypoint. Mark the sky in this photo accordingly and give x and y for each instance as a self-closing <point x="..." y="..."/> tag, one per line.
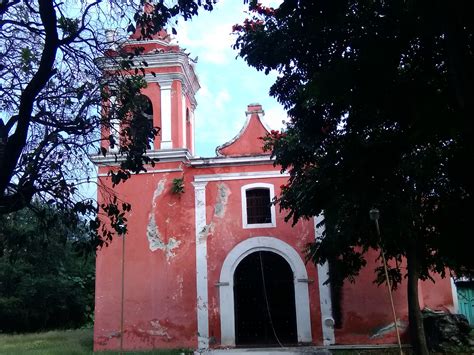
<point x="228" y="84"/>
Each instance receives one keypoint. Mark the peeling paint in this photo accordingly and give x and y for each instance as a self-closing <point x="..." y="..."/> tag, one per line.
<point x="179" y="292"/>
<point x="201" y="304"/>
<point x="158" y="191"/>
<point x="223" y="193"/>
<point x="113" y="335"/>
<point x="155" y="239"/>
<point x="208" y="229"/>
<point x="180" y="285"/>
<point x="380" y="332"/>
<point x="157" y="330"/>
<point x="156" y="242"/>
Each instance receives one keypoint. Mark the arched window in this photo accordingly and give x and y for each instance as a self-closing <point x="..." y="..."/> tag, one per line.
<point x="257" y="208"/>
<point x="142" y="124"/>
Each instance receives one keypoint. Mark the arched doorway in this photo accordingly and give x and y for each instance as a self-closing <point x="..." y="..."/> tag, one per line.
<point x="264" y="299"/>
<point x="226" y="285"/>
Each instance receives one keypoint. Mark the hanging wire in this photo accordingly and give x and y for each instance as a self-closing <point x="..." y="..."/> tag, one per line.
<point x="266" y="300"/>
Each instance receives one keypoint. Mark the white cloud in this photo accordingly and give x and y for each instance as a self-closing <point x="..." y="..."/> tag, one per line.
<point x="271" y="3"/>
<point x="204" y="91"/>
<point x="211" y="46"/>
<point x="221" y="99"/>
<point x="274" y="117"/>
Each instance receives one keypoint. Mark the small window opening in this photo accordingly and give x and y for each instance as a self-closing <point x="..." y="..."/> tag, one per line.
<point x="258" y="206"/>
<point x="141" y="127"/>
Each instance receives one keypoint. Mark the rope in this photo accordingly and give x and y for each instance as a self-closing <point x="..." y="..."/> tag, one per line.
<point x="266" y="300"/>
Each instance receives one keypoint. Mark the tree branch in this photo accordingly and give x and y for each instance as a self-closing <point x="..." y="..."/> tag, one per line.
<point x="45" y="71"/>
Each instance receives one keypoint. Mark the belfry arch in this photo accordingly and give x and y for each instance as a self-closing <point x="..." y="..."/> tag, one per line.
<point x="226" y="282"/>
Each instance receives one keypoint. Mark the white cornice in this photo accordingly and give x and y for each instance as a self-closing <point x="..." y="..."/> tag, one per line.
<point x="151" y="171"/>
<point x="164" y="155"/>
<point x="131" y="42"/>
<point x="226" y="160"/>
<point x="161" y="60"/>
<point x="183" y="155"/>
<point x="241" y="176"/>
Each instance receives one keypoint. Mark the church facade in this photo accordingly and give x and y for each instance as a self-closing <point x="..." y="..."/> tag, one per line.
<point x="208" y="261"/>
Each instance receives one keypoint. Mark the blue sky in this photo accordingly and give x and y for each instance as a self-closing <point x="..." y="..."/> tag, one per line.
<point x="228" y="84"/>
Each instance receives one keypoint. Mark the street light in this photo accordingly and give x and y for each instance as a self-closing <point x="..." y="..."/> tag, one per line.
<point x="374" y="214"/>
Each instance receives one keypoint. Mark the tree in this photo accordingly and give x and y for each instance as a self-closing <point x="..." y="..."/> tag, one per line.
<point x="51" y="91"/>
<point x="44" y="282"/>
<point x="380" y="95"/>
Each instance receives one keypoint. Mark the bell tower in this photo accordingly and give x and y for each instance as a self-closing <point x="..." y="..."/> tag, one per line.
<point x="171" y="87"/>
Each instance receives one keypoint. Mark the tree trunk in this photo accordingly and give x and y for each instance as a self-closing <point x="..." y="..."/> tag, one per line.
<point x="417" y="330"/>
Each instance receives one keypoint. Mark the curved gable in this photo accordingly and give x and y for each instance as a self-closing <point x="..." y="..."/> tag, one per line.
<point x="247" y="141"/>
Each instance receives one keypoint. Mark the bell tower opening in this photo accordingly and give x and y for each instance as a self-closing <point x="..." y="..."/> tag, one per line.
<point x="142" y="124"/>
<point x="264" y="305"/>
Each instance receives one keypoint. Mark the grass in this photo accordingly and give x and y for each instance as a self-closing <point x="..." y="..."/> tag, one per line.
<point x="59" y="342"/>
<point x="53" y="342"/>
<point x="78" y="342"/>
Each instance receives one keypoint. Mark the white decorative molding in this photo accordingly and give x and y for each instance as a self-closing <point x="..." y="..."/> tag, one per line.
<point x="226" y="288"/>
<point x="201" y="264"/>
<point x="151" y="171"/>
<point x="166" y="140"/>
<point x="454" y="293"/>
<point x="193" y="139"/>
<point x="179" y="59"/>
<point x="241" y="176"/>
<point x="224" y="161"/>
<point x="131" y="42"/>
<point x="243" y="191"/>
<point x="179" y="154"/>
<point x="114" y="126"/>
<point x="163" y="155"/>
<point x="327" y="321"/>
<point x="183" y="119"/>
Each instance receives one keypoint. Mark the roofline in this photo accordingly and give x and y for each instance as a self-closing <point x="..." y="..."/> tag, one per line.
<point x="159" y="60"/>
<point x="242" y="130"/>
<point x="183" y="155"/>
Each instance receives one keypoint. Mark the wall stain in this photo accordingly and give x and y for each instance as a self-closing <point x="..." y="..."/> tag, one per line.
<point x="380" y="332"/>
<point x="223" y="193"/>
<point x="154" y="236"/>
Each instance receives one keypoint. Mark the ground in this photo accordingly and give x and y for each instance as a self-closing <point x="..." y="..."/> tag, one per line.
<point x="77" y="342"/>
<point x="60" y="342"/>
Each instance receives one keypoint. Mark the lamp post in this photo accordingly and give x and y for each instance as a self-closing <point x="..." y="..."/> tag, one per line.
<point x="374" y="214"/>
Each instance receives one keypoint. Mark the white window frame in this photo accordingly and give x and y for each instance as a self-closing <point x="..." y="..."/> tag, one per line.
<point x="258" y="185"/>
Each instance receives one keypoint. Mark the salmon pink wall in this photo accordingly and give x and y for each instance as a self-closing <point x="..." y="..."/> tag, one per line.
<point x="160" y="293"/>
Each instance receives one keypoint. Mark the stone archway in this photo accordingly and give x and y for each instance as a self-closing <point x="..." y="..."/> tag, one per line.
<point x="226" y="283"/>
<point x="264" y="301"/>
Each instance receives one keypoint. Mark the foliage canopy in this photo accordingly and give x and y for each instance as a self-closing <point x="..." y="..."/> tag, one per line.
<point x="44" y="282"/>
<point x="380" y="95"/>
<point x="51" y="91"/>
